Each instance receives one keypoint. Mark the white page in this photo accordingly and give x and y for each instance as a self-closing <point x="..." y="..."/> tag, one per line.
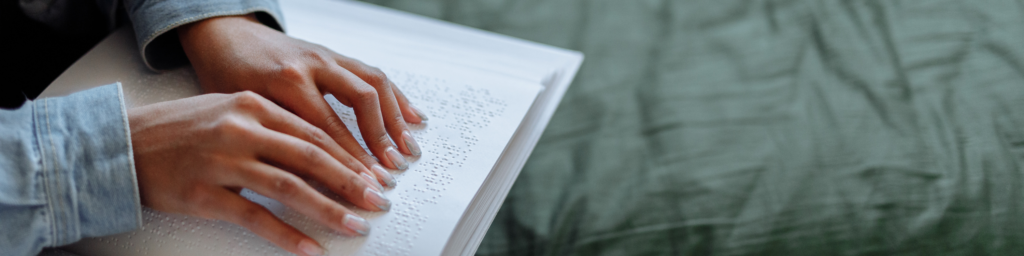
<point x="381" y="36"/>
<point x="470" y="125"/>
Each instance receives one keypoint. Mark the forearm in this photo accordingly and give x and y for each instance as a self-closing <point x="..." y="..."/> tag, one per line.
<point x="66" y="171"/>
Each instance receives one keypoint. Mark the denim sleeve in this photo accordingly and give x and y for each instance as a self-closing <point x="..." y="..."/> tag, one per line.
<point x="154" y="22"/>
<point x="66" y="171"/>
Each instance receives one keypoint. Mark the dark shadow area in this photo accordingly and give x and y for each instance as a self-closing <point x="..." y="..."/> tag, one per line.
<point x="34" y="54"/>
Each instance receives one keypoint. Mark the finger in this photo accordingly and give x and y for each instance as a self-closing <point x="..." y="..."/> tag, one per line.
<point x="287" y="123"/>
<point x="411" y="113"/>
<point x="364" y="100"/>
<point x="376" y="78"/>
<point x="275" y="118"/>
<point x="231" y="207"/>
<point x="394" y="123"/>
<point x="308" y="160"/>
<point x="296" y="194"/>
<point x="311" y="106"/>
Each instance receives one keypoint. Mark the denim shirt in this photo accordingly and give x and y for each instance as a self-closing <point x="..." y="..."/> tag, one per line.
<point x="66" y="171"/>
<point x="66" y="163"/>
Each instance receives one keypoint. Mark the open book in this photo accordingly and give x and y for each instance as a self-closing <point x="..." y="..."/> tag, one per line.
<point x="488" y="97"/>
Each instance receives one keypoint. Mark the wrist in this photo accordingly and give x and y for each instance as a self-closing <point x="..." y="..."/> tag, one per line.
<point x="202" y="30"/>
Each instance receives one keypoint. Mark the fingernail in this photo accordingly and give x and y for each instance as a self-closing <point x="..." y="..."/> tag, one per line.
<point x="377" y="199"/>
<point x="411" y="143"/>
<point x="357" y="224"/>
<point x="372" y="181"/>
<point x="384" y="176"/>
<point x="310" y="247"/>
<point x="420" y="114"/>
<point x="396" y="158"/>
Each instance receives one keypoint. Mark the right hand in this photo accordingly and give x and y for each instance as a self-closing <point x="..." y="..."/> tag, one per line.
<point x="238" y="53"/>
<point x="193" y="156"/>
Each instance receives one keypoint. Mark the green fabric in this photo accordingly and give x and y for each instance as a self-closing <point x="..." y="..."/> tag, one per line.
<point x="769" y="128"/>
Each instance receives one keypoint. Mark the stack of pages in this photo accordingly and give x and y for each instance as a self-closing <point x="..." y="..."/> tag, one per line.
<point x="488" y="97"/>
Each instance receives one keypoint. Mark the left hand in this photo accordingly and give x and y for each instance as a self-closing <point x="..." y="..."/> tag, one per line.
<point x="194" y="155"/>
<point x="237" y="53"/>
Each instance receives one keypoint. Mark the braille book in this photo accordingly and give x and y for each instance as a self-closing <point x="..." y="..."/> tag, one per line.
<point x="488" y="98"/>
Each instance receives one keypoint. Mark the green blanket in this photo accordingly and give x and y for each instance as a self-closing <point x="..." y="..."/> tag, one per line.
<point x="769" y="128"/>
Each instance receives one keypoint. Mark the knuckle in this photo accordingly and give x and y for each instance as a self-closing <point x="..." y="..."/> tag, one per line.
<point x="366" y="95"/>
<point x="320" y="47"/>
<point x="399" y="120"/>
<point x="315" y="55"/>
<point x="335" y="125"/>
<point x="318" y="57"/>
<point x="288" y="186"/>
<point x="312" y="154"/>
<point x="291" y="72"/>
<point x="355" y="182"/>
<point x="229" y="127"/>
<point x="375" y="77"/>
<point x="247" y="95"/>
<point x="250" y="215"/>
<point x="248" y="100"/>
<point x="383" y="139"/>
<point x="317" y="136"/>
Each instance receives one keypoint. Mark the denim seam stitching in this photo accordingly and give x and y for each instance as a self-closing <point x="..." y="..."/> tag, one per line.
<point x="54" y="196"/>
<point x="46" y="180"/>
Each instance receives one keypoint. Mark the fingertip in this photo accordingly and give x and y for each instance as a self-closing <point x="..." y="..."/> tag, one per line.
<point x="396" y="158"/>
<point x="356" y="224"/>
<point x="310" y="248"/>
<point x="413" y="115"/>
<point x="410" y="143"/>
<point x="377" y="199"/>
<point x="419" y="113"/>
<point x="384" y="176"/>
<point x="371" y="181"/>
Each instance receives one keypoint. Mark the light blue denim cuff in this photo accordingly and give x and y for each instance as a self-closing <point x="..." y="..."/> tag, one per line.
<point x="85" y="143"/>
<point x="154" y="22"/>
<point x="66" y="171"/>
<point x="86" y="164"/>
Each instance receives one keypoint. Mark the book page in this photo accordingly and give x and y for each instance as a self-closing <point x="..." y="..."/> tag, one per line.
<point x="471" y="123"/>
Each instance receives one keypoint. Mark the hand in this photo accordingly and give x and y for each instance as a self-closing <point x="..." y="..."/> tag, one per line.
<point x="237" y="53"/>
<point x="193" y="156"/>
